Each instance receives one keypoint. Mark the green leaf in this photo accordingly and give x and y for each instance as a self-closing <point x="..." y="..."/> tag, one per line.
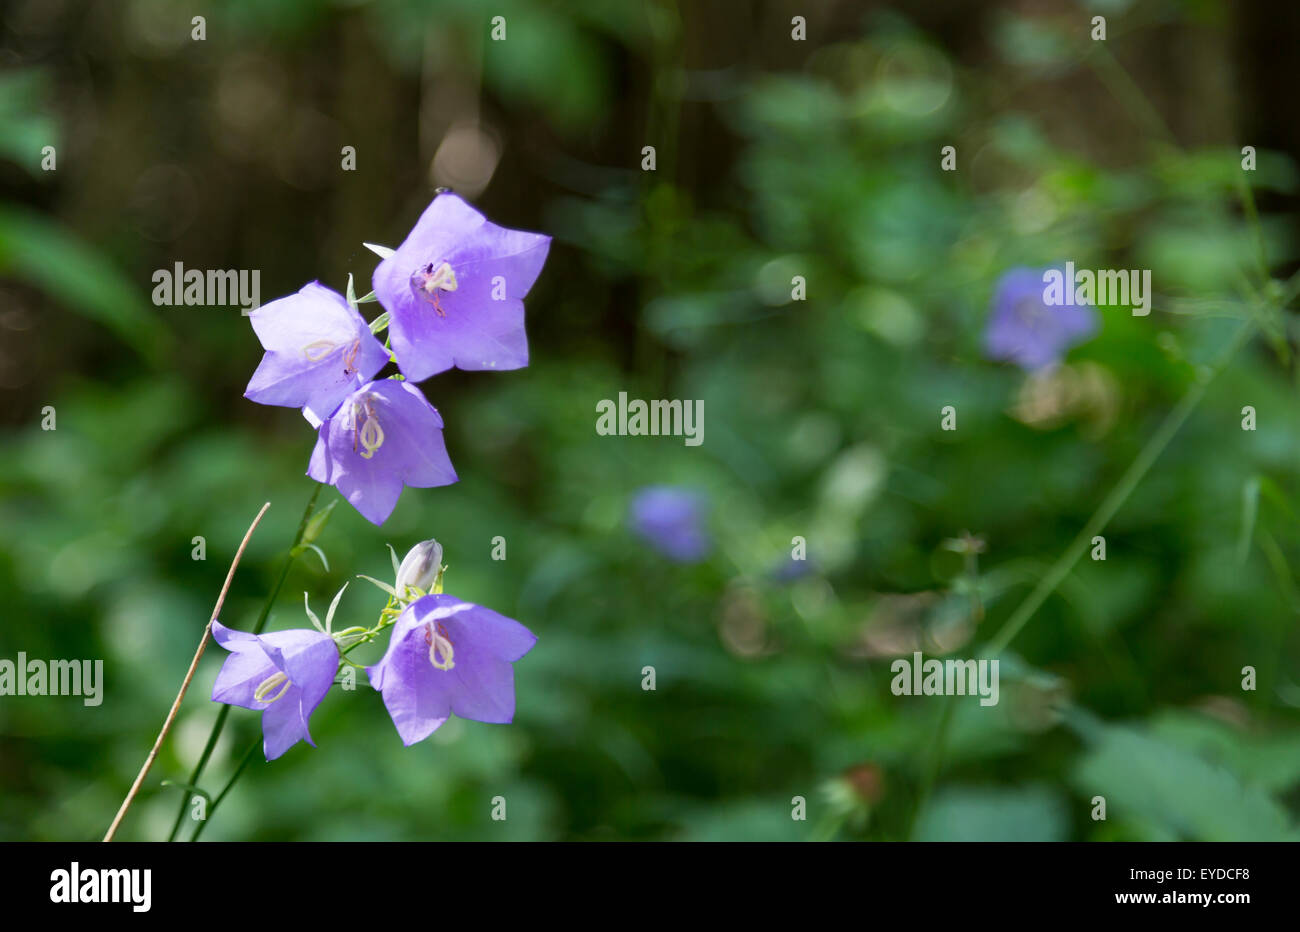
<point x="316" y="524"/>
<point x="189" y="789"/>
<point x="297" y="551"/>
<point x="312" y="615"/>
<point x="329" y="615"/>
<point x="1269" y="758"/>
<point x="26" y="126"/>
<point x="39" y="252"/>
<point x="382" y="252"/>
<point x="384" y="586"/>
<point x="1165" y="791"/>
<point x="1032" y="813"/>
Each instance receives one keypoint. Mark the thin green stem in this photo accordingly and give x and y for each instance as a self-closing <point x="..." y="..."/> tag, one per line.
<point x="1121" y="84"/>
<point x="1118" y="495"/>
<point x="1126" y="90"/>
<point x="219" y="725"/>
<point x="217" y="728"/>
<point x="248" y="755"/>
<point x="1257" y="229"/>
<point x="931" y="773"/>
<point x="1094" y="526"/>
<point x="387" y="617"/>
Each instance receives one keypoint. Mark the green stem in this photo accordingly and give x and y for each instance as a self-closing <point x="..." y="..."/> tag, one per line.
<point x="219" y="725"/>
<point x="931" y="773"/>
<point x="1094" y="526"/>
<point x="248" y="755"/>
<point x="386" y="620"/>
<point x="1121" y="84"/>
<point x="1257" y="229"/>
<point x="1126" y="90"/>
<point x="1118" y="495"/>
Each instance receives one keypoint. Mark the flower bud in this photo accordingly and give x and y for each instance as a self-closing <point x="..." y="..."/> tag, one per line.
<point x="316" y="523"/>
<point x="420" y="569"/>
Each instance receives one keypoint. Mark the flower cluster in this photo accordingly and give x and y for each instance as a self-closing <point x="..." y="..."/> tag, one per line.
<point x="452" y="295"/>
<point x="445" y="657"/>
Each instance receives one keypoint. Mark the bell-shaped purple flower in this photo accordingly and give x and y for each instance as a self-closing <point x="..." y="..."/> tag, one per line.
<point x="455" y="288"/>
<point x="383" y="436"/>
<point x="449" y="657"/>
<point x="284" y="675"/>
<point x="1026" y="330"/>
<point x="671" y="520"/>
<point x="318" y="351"/>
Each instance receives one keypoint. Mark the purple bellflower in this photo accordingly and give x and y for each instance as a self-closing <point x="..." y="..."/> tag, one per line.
<point x="318" y="351"/>
<point x="1027" y="331"/>
<point x="284" y="675"/>
<point x="449" y="657"/>
<point x="383" y="436"/>
<point x="455" y="288"/>
<point x="791" y="570"/>
<point x="671" y="520"/>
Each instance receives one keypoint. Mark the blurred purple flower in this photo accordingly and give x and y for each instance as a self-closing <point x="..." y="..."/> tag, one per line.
<point x="791" y="570"/>
<point x="671" y="519"/>
<point x="318" y="351"/>
<point x="454" y="289"/>
<point x="1023" y="329"/>
<point x="384" y="435"/>
<point x="449" y="657"/>
<point x="284" y="675"/>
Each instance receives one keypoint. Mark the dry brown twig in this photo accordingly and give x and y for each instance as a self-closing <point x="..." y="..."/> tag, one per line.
<point x="189" y="675"/>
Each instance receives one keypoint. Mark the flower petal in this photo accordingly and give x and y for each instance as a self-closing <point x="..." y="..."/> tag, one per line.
<point x="318" y="350"/>
<point x="1024" y="329"/>
<point x="484" y="685"/>
<point x="490" y="336"/>
<point x="487" y="631"/>
<point x="309" y="658"/>
<point x="411" y="450"/>
<point x="417" y="700"/>
<point x="672" y="520"/>
<point x="283" y="725"/>
<point x="243" y="671"/>
<point x="480" y="683"/>
<point x="480" y="323"/>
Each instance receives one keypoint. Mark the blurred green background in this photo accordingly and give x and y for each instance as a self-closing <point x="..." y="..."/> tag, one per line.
<point x="775" y="158"/>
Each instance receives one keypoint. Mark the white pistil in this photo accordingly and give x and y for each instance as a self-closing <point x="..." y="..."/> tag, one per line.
<point x="431" y="281"/>
<point x="365" y="428"/>
<point x="439" y="645"/>
<point x="372" y="436"/>
<point x="443" y="277"/>
<point x="270" y="683"/>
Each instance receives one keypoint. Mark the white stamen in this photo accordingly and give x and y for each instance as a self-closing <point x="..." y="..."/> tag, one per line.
<point x="270" y="683"/>
<point x="319" y="349"/>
